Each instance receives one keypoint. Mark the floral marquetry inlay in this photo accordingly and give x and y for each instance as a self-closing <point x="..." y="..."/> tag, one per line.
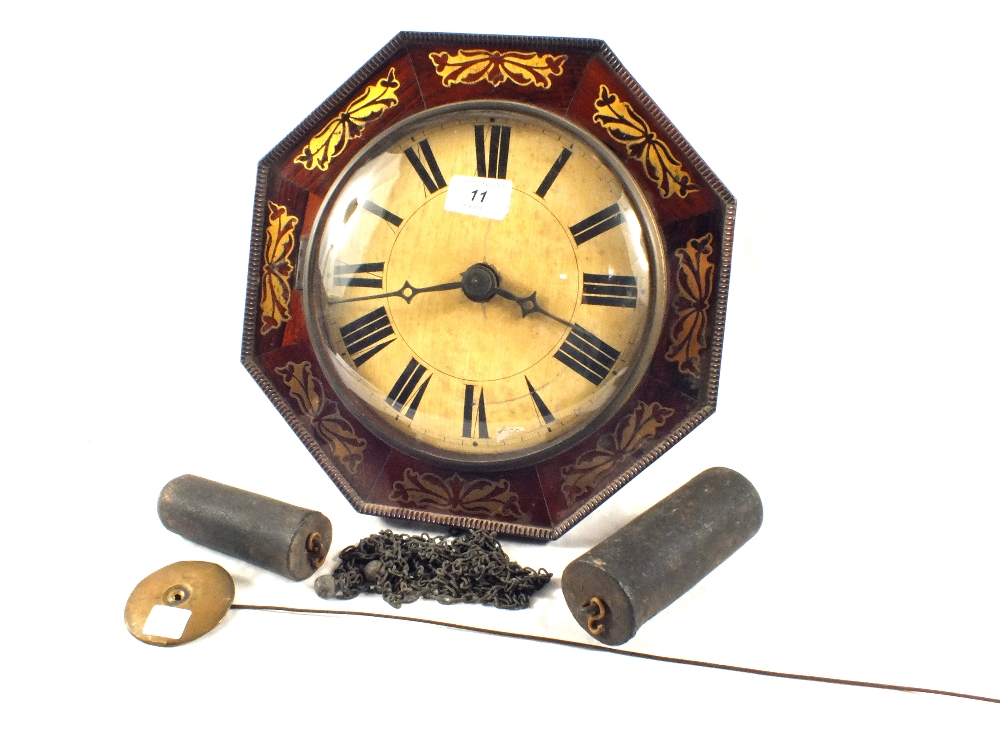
<point x="615" y="450"/>
<point x="625" y="125"/>
<point x="323" y="415"/>
<point x="694" y="282"/>
<point x="475" y="65"/>
<point x="479" y="497"/>
<point x="331" y="141"/>
<point x="276" y="291"/>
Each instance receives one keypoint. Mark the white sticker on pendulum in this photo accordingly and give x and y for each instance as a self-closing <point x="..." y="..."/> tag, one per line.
<point x="166" y="622"/>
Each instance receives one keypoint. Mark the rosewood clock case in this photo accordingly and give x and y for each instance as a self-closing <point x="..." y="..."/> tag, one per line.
<point x="691" y="213"/>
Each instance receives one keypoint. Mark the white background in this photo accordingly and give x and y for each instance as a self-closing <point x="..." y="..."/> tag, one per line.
<point x="858" y="387"/>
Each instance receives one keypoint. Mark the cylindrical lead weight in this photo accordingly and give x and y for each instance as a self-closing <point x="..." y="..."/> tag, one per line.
<point x="638" y="571"/>
<point x="283" y="538"/>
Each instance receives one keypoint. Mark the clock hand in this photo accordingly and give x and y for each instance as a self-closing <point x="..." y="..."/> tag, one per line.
<point x="407" y="292"/>
<point x="529" y="305"/>
<point x="481" y="283"/>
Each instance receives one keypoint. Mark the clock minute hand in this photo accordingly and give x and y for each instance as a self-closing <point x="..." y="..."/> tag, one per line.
<point x="529" y="305"/>
<point x="407" y="292"/>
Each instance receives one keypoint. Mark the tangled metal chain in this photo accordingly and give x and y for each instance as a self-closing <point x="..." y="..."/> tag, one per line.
<point x="464" y="566"/>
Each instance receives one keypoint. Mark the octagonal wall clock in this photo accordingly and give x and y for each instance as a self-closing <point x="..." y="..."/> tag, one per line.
<point x="487" y="282"/>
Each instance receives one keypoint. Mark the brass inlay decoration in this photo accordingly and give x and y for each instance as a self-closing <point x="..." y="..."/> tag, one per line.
<point x="480" y="497"/>
<point x="323" y="415"/>
<point x="276" y="290"/>
<point x="475" y="65"/>
<point x="331" y="141"/>
<point x="694" y="282"/>
<point x="632" y="435"/>
<point x="624" y="124"/>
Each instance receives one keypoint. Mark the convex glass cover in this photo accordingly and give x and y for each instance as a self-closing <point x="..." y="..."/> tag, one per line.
<point x="484" y="283"/>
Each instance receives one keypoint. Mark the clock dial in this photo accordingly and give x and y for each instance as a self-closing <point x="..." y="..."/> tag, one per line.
<point x="472" y="339"/>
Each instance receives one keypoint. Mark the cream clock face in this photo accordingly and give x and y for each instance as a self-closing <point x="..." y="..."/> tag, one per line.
<point x="482" y="286"/>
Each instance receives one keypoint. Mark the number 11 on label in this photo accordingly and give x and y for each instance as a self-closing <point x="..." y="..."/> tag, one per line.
<point x="479" y="196"/>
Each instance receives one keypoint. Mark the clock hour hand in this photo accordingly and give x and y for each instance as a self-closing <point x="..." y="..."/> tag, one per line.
<point x="481" y="283"/>
<point x="529" y="305"/>
<point x="407" y="292"/>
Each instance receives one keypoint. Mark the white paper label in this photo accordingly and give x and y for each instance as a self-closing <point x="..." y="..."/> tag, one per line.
<point x="479" y="196"/>
<point x="166" y="622"/>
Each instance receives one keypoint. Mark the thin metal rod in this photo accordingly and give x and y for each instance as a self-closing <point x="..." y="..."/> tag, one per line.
<point x="623" y="652"/>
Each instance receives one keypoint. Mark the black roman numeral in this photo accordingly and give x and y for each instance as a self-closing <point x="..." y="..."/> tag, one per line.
<point x="474" y="414"/>
<point x="543" y="410"/>
<point x="433" y="181"/>
<point x="361" y="274"/>
<point x="382" y="213"/>
<point x="499" y="150"/>
<point x="609" y="291"/>
<point x="587" y="355"/>
<point x="597" y="224"/>
<point x="554" y="171"/>
<point x="400" y="395"/>
<point x="367" y="336"/>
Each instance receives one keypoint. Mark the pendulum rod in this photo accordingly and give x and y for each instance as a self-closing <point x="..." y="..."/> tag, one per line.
<point x="622" y="652"/>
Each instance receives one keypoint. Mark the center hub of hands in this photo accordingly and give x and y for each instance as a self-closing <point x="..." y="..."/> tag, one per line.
<point x="471" y="335"/>
<point x="480" y="282"/>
